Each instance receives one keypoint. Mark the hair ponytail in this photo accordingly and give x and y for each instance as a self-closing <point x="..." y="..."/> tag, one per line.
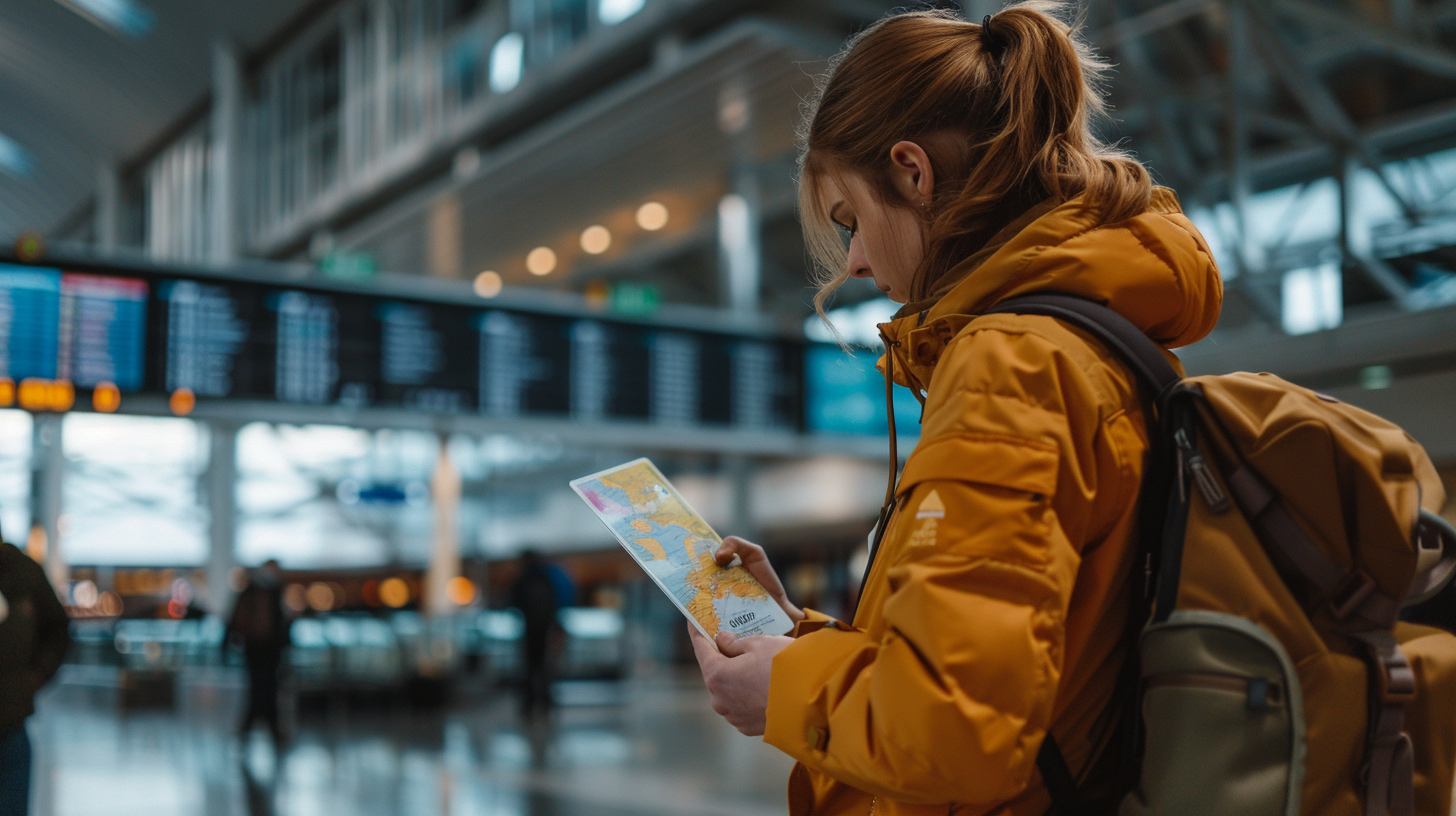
<point x="1004" y="110"/>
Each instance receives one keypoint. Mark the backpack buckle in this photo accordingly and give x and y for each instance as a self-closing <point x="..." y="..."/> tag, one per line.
<point x="1351" y="592"/>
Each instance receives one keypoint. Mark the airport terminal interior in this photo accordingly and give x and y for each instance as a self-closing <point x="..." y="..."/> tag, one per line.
<point x="361" y="287"/>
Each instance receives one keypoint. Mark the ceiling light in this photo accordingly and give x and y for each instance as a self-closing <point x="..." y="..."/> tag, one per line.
<point x="652" y="216"/>
<point x="488" y="284"/>
<point x="118" y="16"/>
<point x="595" y="239"/>
<point x="14" y="159"/>
<point x="541" y="261"/>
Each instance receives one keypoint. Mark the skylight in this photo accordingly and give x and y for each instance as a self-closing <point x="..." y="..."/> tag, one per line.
<point x="126" y="17"/>
<point x="14" y="159"/>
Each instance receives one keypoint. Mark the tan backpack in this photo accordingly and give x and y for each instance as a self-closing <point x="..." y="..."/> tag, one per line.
<point x="1282" y="533"/>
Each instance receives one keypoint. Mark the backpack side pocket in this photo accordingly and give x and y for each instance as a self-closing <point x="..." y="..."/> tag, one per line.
<point x="1224" y="720"/>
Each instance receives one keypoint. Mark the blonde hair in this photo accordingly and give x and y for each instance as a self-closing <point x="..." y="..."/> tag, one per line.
<point x="1004" y="115"/>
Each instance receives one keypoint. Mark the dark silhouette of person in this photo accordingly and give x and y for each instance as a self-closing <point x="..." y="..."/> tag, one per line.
<point x="34" y="635"/>
<point x="260" y="624"/>
<point x="536" y="593"/>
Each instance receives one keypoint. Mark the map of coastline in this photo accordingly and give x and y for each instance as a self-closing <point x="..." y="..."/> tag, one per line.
<point x="676" y="548"/>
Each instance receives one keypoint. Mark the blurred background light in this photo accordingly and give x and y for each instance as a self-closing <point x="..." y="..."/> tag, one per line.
<point x="126" y="17"/>
<point x="488" y="284"/>
<point x="596" y="239"/>
<point x="612" y="12"/>
<point x="507" y="62"/>
<point x="652" y="216"/>
<point x="541" y="261"/>
<point x="856" y="325"/>
<point x="1312" y="298"/>
<point x="14" y="159"/>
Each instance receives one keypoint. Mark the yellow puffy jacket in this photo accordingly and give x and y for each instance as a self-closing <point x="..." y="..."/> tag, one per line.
<point x="996" y="603"/>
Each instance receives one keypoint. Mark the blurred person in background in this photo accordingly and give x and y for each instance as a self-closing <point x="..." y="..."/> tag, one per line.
<point x="34" y="636"/>
<point x="261" y="625"/>
<point x="538" y="593"/>
<point x="957" y="165"/>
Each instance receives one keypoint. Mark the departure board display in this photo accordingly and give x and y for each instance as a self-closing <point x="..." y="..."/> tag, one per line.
<point x="79" y="328"/>
<point x="157" y="331"/>
<point x="206" y="331"/>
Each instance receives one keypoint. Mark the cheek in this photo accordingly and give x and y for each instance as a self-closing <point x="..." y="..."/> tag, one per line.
<point x="894" y="247"/>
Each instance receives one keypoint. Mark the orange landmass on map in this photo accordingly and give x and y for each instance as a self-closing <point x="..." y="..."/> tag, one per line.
<point x="714" y="582"/>
<point x="652" y="546"/>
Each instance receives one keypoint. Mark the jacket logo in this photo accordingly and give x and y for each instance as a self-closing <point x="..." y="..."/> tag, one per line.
<point x="927" y="517"/>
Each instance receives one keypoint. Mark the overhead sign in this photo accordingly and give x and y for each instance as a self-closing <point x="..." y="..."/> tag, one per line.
<point x="194" y="339"/>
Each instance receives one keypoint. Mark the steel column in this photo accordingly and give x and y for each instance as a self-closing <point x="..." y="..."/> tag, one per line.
<point x="47" y="485"/>
<point x="220" y="484"/>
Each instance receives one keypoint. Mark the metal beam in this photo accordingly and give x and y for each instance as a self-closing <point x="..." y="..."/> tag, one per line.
<point x="1145" y="82"/>
<point x="1317" y="101"/>
<point x="1149" y="21"/>
<point x="1391" y="43"/>
<point x="1236" y="148"/>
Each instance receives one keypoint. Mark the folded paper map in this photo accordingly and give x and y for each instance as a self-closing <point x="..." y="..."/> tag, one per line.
<point x="676" y="547"/>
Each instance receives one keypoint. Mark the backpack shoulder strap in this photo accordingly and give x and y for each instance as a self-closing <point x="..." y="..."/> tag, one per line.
<point x="1156" y="377"/>
<point x="1116" y="332"/>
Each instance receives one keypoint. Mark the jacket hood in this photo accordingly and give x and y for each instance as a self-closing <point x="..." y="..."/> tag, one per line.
<point x="1155" y="269"/>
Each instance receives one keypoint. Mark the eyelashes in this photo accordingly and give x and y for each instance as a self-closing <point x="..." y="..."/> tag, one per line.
<point x="846" y="234"/>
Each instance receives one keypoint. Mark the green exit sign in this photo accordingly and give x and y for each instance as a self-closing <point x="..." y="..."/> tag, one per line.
<point x="634" y="298"/>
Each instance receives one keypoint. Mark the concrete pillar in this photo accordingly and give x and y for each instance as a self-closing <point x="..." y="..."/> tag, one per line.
<point x="47" y="478"/>
<point x="738" y="470"/>
<point x="220" y="485"/>
<point x="445" y="238"/>
<point x="1354" y="230"/>
<point x="224" y="149"/>
<point x="740" y="213"/>
<point x="108" y="207"/>
<point x="445" y="553"/>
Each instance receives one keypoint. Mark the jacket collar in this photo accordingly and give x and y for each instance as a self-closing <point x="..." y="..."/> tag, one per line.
<point x="916" y="337"/>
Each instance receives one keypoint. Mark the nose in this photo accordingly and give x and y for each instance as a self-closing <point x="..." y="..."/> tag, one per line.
<point x="859" y="265"/>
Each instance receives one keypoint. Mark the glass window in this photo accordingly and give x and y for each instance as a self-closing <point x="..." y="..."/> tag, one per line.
<point x="507" y="61"/>
<point x="612" y="12"/>
<point x="15" y="431"/>
<point x="131" y="491"/>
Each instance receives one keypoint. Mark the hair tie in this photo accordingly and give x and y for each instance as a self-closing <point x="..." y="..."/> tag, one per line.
<point x="992" y="42"/>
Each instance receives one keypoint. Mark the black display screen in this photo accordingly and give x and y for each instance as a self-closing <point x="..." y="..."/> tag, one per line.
<point x="230" y="339"/>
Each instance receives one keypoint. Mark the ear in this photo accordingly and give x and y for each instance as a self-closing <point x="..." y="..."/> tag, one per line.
<point x="911" y="172"/>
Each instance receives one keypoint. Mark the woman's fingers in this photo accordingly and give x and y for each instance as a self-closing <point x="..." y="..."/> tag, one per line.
<point x="746" y="551"/>
<point x="755" y="560"/>
<point x="703" y="649"/>
<point x="728" y="644"/>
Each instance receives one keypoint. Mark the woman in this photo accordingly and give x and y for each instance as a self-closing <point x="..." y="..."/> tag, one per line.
<point x="958" y="161"/>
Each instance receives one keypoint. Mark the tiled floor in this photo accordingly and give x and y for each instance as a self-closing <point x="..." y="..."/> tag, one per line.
<point x="647" y="746"/>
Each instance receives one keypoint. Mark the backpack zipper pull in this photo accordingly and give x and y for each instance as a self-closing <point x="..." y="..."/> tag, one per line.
<point x="1203" y="478"/>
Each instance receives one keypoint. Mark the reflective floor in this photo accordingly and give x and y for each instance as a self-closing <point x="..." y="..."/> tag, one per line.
<point x="647" y="746"/>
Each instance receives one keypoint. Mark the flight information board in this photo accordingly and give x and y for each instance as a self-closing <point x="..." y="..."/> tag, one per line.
<point x="216" y="338"/>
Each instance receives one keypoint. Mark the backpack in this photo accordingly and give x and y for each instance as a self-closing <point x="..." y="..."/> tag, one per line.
<point x="1281" y="533"/>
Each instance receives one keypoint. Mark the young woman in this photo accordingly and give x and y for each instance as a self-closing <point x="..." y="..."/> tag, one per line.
<point x="957" y="160"/>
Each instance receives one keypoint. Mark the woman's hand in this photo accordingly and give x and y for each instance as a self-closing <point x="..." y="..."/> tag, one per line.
<point x="737" y="671"/>
<point x="755" y="560"/>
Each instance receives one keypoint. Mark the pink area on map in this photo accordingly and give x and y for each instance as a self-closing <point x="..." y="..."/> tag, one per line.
<point x="596" y="501"/>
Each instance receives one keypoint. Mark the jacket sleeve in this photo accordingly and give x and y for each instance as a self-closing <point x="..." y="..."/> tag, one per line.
<point x="952" y="701"/>
<point x="52" y="627"/>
